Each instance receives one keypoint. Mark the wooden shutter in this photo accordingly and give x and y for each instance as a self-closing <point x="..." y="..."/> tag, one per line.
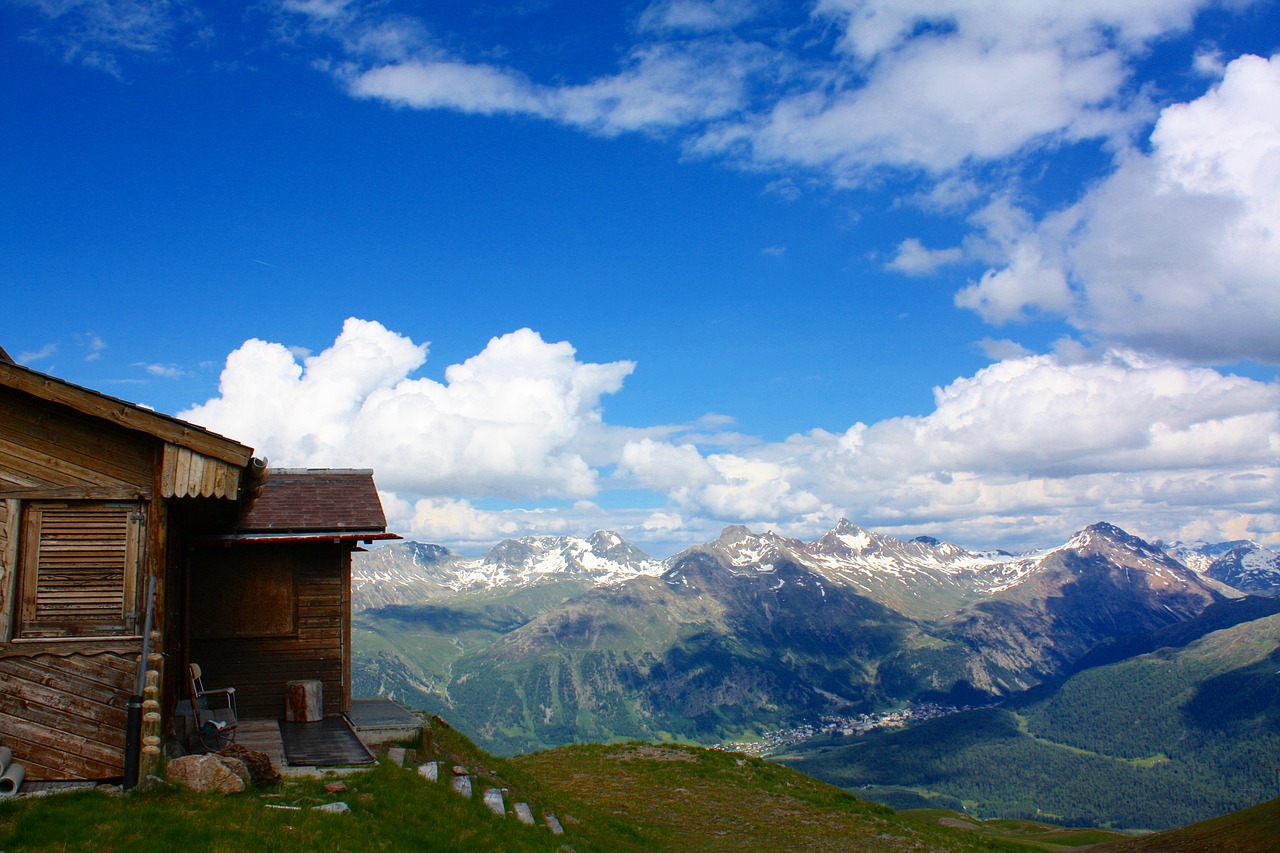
<point x="79" y="568"/>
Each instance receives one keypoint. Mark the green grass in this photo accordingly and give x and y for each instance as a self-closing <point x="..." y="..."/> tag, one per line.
<point x="391" y="809"/>
<point x="619" y="798"/>
<point x="1149" y="742"/>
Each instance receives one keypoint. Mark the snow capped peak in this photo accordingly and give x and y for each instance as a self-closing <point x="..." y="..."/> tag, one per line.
<point x="1108" y="540"/>
<point x="605" y="539"/>
<point x="923" y="576"/>
<point x="603" y="559"/>
<point x="1240" y="563"/>
<point x="741" y="547"/>
<point x="1105" y="548"/>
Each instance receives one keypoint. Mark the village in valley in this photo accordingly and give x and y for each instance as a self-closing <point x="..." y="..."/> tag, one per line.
<point x="832" y="725"/>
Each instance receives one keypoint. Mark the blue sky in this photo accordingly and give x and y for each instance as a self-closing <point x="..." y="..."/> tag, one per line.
<point x="985" y="270"/>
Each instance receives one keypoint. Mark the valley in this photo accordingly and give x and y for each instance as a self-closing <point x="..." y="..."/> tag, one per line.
<point x="759" y="639"/>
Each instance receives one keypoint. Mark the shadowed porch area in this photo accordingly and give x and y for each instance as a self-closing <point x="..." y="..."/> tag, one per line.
<point x="335" y="741"/>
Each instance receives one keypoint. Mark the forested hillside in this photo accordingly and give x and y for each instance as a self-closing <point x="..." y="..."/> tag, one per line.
<point x="1155" y="741"/>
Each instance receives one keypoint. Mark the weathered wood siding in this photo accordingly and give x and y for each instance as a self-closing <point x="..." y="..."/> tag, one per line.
<point x="308" y="642"/>
<point x="187" y="474"/>
<point x="48" y="452"/>
<point x="62" y="707"/>
<point x="9" y="515"/>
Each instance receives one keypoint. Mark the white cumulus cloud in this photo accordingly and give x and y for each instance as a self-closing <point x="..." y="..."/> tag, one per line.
<point x="506" y="422"/>
<point x="1178" y="251"/>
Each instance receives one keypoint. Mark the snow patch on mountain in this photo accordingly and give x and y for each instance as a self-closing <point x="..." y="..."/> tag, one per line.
<point x="412" y="572"/>
<point x="1241" y="563"/>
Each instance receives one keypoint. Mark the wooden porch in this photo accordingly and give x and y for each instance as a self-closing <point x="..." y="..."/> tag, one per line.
<point x="336" y="741"/>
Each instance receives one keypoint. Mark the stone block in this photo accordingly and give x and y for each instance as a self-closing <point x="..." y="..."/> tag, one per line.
<point x="493" y="799"/>
<point x="462" y="784"/>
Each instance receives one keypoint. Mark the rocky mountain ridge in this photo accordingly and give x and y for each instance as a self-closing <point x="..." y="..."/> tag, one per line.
<point x="921" y="577"/>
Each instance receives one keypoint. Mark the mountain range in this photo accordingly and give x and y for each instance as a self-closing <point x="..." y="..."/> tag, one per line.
<point x="921" y="577"/>
<point x="550" y="640"/>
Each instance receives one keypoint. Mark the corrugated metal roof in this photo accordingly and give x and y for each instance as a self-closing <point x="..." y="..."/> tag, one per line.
<point x="315" y="500"/>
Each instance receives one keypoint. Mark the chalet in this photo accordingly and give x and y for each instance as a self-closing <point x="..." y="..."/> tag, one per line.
<point x="133" y="544"/>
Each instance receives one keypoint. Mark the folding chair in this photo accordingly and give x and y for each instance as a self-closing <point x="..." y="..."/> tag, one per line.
<point x="215" y="711"/>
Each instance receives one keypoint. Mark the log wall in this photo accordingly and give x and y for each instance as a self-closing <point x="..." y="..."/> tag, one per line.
<point x="314" y="647"/>
<point x="62" y="707"/>
<point x="48" y="452"/>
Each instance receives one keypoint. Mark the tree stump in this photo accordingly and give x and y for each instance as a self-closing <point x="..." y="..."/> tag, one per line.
<point x="304" y="701"/>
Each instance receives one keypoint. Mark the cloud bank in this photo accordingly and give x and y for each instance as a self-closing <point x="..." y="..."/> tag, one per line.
<point x="1023" y="451"/>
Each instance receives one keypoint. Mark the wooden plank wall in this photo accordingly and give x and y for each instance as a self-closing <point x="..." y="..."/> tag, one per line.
<point x="62" y="708"/>
<point x="47" y="451"/>
<point x="259" y="667"/>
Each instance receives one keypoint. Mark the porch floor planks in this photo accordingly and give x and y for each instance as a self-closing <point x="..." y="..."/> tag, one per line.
<point x="262" y="735"/>
<point x="326" y="743"/>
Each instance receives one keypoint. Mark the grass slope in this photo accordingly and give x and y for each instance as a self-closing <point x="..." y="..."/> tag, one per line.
<point x="1252" y="830"/>
<point x="629" y="797"/>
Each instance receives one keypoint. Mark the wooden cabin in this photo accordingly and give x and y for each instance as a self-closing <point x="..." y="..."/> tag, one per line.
<point x="114" y="518"/>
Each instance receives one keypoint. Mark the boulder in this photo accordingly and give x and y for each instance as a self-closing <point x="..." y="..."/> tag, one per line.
<point x="261" y="770"/>
<point x="209" y="773"/>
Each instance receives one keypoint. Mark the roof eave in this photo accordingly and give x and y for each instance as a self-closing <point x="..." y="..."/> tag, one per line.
<point x="249" y="537"/>
<point x="123" y="413"/>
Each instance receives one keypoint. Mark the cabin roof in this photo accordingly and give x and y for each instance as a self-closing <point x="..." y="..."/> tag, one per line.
<point x="315" y="500"/>
<point x="122" y="413"/>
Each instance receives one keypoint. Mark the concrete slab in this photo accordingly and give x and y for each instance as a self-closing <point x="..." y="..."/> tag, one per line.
<point x="380" y="721"/>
